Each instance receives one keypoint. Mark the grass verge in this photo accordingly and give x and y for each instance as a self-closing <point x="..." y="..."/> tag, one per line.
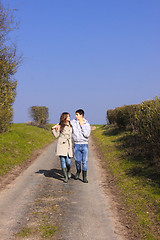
<point x="17" y="145"/>
<point x="42" y="221"/>
<point x="137" y="181"/>
<point x="44" y="217"/>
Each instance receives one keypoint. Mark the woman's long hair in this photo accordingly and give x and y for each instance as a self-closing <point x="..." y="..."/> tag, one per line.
<point x="63" y="121"/>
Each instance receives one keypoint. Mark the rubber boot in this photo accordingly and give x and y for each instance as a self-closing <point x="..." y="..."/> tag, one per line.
<point x="85" y="176"/>
<point x="68" y="171"/>
<point x="77" y="174"/>
<point x="65" y="175"/>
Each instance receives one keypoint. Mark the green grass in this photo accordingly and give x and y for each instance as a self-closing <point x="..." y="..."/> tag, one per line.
<point x="17" y="145"/>
<point x="48" y="230"/>
<point x="138" y="181"/>
<point x="25" y="232"/>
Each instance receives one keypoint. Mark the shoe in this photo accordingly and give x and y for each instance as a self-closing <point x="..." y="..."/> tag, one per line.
<point x="68" y="171"/>
<point x="85" y="176"/>
<point x="77" y="174"/>
<point x="65" y="175"/>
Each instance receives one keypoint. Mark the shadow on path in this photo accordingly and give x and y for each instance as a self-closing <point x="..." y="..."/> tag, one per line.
<point x="53" y="173"/>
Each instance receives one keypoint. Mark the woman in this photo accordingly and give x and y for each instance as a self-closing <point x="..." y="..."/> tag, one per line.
<point x="63" y="130"/>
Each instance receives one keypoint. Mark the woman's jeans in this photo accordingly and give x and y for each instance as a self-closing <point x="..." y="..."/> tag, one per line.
<point x="65" y="161"/>
<point x="81" y="154"/>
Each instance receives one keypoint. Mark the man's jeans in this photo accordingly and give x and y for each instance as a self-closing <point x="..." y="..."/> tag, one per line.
<point x="81" y="154"/>
<point x="65" y="161"/>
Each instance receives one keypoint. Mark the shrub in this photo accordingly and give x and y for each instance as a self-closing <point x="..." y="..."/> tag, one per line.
<point x="144" y="120"/>
<point x="39" y="114"/>
<point x="126" y="117"/>
<point x="147" y="124"/>
<point x="123" y="116"/>
<point x="111" y="116"/>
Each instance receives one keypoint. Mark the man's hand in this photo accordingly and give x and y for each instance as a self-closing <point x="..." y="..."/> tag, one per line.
<point x="56" y="126"/>
<point x="81" y="123"/>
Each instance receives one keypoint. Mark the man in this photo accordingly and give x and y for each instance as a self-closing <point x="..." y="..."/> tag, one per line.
<point x="81" y="133"/>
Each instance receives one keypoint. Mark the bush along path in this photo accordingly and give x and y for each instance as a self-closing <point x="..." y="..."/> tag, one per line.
<point x="144" y="120"/>
<point x="135" y="180"/>
<point x="39" y="205"/>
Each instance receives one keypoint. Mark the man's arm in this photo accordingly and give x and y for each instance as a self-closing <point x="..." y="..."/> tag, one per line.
<point x="86" y="130"/>
<point x="56" y="131"/>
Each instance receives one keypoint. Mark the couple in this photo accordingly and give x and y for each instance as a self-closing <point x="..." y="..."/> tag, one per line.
<point x="79" y="130"/>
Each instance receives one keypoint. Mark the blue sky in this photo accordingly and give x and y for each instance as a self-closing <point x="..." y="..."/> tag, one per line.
<point x="89" y="54"/>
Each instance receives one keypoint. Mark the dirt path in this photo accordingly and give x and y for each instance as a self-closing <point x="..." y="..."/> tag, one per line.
<point x="83" y="211"/>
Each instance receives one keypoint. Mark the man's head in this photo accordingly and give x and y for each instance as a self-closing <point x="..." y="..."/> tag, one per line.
<point x="79" y="114"/>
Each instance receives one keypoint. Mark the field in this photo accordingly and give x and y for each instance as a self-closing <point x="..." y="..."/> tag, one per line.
<point x="20" y="143"/>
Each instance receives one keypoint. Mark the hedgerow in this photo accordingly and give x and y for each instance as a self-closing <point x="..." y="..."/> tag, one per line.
<point x="142" y="119"/>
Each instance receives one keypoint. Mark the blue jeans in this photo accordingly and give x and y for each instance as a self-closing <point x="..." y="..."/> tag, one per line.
<point x="65" y="161"/>
<point x="81" y="154"/>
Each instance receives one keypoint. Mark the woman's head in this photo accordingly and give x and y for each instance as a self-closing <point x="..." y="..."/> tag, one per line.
<point x="64" y="119"/>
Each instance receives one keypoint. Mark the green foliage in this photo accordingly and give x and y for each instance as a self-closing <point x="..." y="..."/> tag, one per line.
<point x="148" y="120"/>
<point x="8" y="67"/>
<point x="147" y="126"/>
<point x="7" y="97"/>
<point x="123" y="116"/>
<point x="126" y="116"/>
<point x="39" y="114"/>
<point x="111" y="116"/>
<point x="144" y="120"/>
